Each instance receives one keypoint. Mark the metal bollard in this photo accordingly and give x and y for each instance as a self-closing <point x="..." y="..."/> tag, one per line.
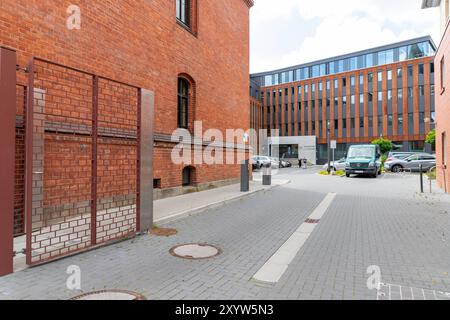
<point x="267" y="175"/>
<point x="245" y="176"/>
<point x="421" y="178"/>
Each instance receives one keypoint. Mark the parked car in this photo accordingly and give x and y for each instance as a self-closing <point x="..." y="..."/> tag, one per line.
<point x="400" y="155"/>
<point x="336" y="165"/>
<point x="363" y="159"/>
<point x="262" y="161"/>
<point x="259" y="161"/>
<point x="287" y="164"/>
<point x="411" y="163"/>
<point x="256" y="163"/>
<point x="276" y="162"/>
<point x="282" y="163"/>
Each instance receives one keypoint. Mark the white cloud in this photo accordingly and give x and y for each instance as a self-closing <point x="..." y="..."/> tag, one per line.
<point x="337" y="27"/>
<point x="267" y="11"/>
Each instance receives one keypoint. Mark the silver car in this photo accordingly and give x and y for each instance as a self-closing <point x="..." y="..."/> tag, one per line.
<point x="411" y="163"/>
<point x="337" y="165"/>
<point x="260" y="161"/>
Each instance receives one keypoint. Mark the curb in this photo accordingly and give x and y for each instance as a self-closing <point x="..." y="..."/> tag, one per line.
<point x="194" y="211"/>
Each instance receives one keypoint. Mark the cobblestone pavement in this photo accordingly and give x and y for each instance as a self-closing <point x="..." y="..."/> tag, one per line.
<point x="380" y="222"/>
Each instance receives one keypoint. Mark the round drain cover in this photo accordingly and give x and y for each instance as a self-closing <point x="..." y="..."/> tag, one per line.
<point x="118" y="295"/>
<point x="195" y="251"/>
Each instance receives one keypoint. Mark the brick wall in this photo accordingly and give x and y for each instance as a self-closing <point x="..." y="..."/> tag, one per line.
<point x="135" y="42"/>
<point x="140" y="42"/>
<point x="442" y="111"/>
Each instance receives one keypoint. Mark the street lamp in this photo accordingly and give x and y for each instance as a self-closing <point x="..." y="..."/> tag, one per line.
<point x="328" y="147"/>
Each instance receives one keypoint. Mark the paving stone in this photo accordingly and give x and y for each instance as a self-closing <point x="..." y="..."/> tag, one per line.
<point x="371" y="222"/>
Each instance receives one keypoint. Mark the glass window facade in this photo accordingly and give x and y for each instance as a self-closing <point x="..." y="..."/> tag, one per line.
<point x="392" y="100"/>
<point x="402" y="53"/>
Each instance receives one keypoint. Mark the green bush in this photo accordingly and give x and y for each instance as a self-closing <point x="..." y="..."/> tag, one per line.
<point x="385" y="145"/>
<point x="384" y="157"/>
<point x="431" y="174"/>
<point x="431" y="138"/>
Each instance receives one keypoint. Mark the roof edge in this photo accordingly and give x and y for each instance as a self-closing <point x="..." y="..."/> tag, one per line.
<point x="344" y="56"/>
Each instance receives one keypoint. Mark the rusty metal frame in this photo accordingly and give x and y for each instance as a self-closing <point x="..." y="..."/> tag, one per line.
<point x="94" y="161"/>
<point x="138" y="166"/>
<point x="94" y="157"/>
<point x="29" y="160"/>
<point x="20" y="125"/>
<point x="7" y="157"/>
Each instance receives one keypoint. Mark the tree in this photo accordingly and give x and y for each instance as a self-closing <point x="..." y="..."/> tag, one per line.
<point x="385" y="145"/>
<point x="431" y="138"/>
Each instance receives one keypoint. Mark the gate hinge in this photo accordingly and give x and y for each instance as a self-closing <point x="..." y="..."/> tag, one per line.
<point x="18" y="68"/>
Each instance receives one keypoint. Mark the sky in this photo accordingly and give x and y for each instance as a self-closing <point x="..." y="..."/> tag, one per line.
<point x="291" y="32"/>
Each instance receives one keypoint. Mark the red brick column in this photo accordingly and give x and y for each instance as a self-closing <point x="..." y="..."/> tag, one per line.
<point x="7" y="157"/>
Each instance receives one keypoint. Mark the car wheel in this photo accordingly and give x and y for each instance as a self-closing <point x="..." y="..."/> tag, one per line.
<point x="397" y="168"/>
<point x="347" y="175"/>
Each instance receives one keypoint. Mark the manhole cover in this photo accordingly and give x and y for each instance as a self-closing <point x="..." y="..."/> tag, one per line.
<point x="195" y="251"/>
<point x="118" y="295"/>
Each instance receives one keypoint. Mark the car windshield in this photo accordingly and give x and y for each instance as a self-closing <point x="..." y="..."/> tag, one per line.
<point x="364" y="152"/>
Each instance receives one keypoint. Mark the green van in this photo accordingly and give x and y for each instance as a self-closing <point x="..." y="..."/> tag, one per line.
<point x="363" y="159"/>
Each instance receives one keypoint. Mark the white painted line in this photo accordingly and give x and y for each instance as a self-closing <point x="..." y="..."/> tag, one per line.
<point x="323" y="206"/>
<point x="277" y="265"/>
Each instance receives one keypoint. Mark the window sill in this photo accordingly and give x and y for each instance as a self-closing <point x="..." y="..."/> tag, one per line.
<point x="187" y="28"/>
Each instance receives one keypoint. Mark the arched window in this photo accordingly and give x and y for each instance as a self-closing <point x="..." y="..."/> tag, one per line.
<point x="183" y="103"/>
<point x="188" y="176"/>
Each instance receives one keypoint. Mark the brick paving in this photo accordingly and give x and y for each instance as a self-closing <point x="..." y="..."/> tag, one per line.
<point x="371" y="222"/>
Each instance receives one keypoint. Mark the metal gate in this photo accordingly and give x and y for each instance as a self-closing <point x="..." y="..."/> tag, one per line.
<point x="82" y="161"/>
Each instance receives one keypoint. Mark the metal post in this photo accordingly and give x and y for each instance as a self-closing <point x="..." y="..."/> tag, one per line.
<point x="7" y="157"/>
<point x="95" y="81"/>
<point x="29" y="132"/>
<point x="334" y="159"/>
<point x="328" y="147"/>
<point x="245" y="176"/>
<point x="267" y="175"/>
<point x="444" y="167"/>
<point x="147" y="105"/>
<point x="421" y="178"/>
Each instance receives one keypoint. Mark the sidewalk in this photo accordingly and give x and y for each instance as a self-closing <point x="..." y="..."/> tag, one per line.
<point x="170" y="209"/>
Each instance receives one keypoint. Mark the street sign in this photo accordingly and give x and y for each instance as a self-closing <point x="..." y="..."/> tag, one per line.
<point x="333" y="144"/>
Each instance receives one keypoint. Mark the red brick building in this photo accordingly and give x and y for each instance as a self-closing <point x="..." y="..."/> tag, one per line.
<point x="442" y="113"/>
<point x="442" y="94"/>
<point x="159" y="45"/>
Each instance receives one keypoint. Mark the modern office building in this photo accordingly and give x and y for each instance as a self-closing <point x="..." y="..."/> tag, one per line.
<point x="442" y="93"/>
<point x="381" y="92"/>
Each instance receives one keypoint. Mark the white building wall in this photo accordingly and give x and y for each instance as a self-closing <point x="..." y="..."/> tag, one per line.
<point x="307" y="146"/>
